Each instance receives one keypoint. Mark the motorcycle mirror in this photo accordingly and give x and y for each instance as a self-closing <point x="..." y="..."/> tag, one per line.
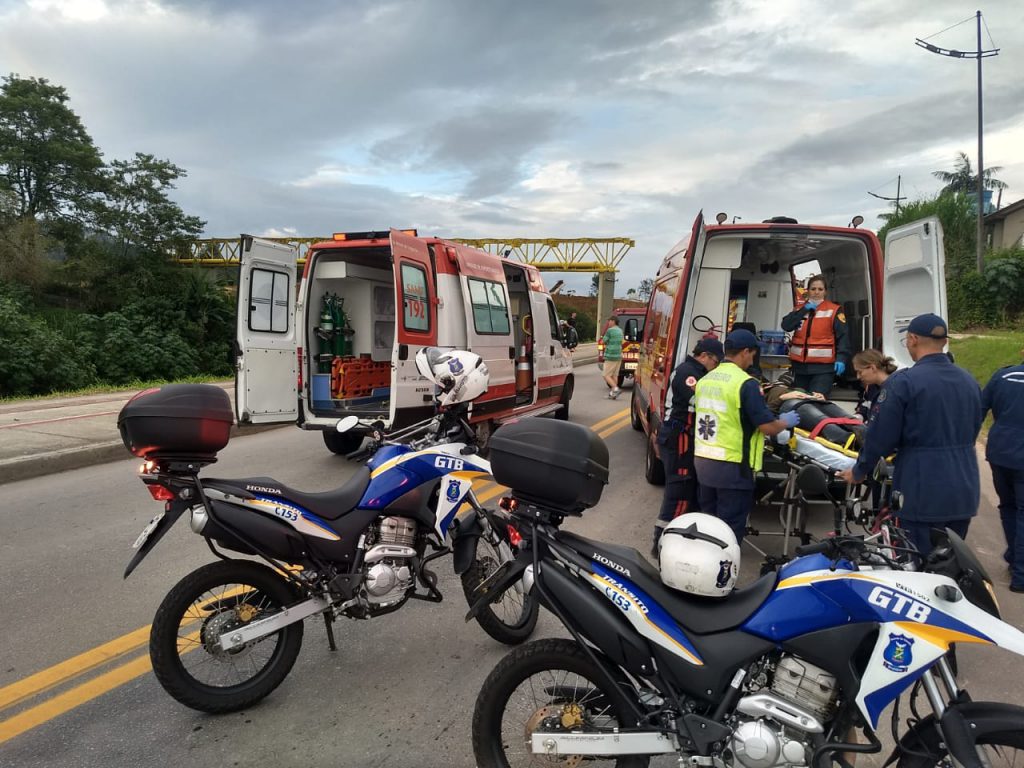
<point x="811" y="480"/>
<point x="346" y="424"/>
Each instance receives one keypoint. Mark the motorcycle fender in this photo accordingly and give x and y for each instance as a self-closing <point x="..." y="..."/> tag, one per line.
<point x="464" y="546"/>
<point x="961" y="723"/>
<point x="499" y="582"/>
<point x="170" y="517"/>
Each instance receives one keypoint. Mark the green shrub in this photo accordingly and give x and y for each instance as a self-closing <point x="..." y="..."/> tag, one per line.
<point x="35" y="359"/>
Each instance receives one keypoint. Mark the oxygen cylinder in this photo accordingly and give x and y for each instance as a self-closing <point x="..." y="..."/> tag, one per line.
<point x="325" y="335"/>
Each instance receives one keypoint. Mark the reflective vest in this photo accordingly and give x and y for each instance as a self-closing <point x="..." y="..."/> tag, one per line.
<point x="814" y="341"/>
<point x="718" y="430"/>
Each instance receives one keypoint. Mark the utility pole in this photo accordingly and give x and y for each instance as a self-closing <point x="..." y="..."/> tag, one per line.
<point x="899" y="180"/>
<point x="979" y="54"/>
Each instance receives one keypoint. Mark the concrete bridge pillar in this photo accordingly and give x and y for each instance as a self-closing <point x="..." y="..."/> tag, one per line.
<point x="605" y="298"/>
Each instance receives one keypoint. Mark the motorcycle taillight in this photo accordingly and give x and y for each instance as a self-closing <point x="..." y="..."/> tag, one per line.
<point x="159" y="493"/>
<point x="514" y="537"/>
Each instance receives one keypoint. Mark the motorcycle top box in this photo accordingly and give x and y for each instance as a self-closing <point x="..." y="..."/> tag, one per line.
<point x="182" y="420"/>
<point x="557" y="464"/>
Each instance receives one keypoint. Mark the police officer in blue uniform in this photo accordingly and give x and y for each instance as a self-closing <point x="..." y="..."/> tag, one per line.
<point x="1004" y="397"/>
<point x="929" y="415"/>
<point x="675" y="436"/>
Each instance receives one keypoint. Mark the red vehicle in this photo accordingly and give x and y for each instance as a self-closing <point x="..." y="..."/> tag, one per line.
<point x="753" y="273"/>
<point x="631" y="321"/>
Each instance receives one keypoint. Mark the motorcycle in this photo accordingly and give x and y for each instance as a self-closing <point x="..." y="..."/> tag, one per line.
<point x="784" y="672"/>
<point x="227" y="634"/>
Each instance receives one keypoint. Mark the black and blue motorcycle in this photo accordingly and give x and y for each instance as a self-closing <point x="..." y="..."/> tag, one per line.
<point x="784" y="673"/>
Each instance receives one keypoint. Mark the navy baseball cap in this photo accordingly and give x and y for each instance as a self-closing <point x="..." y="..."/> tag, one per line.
<point x="929" y="325"/>
<point x="710" y="346"/>
<point x="741" y="339"/>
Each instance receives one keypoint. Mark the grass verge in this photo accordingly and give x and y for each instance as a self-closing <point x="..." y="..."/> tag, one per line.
<point x="99" y="389"/>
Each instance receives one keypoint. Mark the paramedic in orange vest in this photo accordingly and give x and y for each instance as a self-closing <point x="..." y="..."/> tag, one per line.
<point x="819" y="350"/>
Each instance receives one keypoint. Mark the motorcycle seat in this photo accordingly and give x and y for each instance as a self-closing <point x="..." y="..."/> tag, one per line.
<point x="699" y="615"/>
<point x="329" y="505"/>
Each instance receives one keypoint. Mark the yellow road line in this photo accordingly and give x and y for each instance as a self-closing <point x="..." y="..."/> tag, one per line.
<point x="610" y="419"/>
<point x="118" y="676"/>
<point x="72" y="668"/>
<point x="64" y="702"/>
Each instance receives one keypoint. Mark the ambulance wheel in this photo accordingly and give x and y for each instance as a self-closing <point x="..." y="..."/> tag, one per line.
<point x="634" y="414"/>
<point x="342" y="442"/>
<point x="654" y="470"/>
<point x="562" y="414"/>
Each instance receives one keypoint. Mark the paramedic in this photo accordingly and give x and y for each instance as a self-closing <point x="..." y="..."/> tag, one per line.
<point x="873" y="369"/>
<point x="819" y="349"/>
<point x="730" y="422"/>
<point x="675" y="435"/>
<point x="1004" y="396"/>
<point x="929" y="416"/>
<point x="612" y="340"/>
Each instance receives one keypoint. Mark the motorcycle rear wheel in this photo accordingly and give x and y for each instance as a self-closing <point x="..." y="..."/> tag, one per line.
<point x="518" y="696"/>
<point x="210" y="600"/>
<point x="512" y="619"/>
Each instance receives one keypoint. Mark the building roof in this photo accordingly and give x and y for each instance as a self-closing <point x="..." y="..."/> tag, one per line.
<point x="1005" y="211"/>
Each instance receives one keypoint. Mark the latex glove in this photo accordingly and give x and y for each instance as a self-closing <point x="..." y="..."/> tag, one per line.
<point x="811" y="304"/>
<point x="783" y="437"/>
<point x="790" y="419"/>
<point x="840" y="367"/>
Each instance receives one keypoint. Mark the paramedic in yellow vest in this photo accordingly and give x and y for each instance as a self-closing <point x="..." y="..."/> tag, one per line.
<point x="731" y="422"/>
<point x="819" y="350"/>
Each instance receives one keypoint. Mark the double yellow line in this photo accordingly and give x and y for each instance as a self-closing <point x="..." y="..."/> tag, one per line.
<point x="116" y="650"/>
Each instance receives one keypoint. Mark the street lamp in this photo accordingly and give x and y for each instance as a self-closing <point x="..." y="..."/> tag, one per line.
<point x="979" y="55"/>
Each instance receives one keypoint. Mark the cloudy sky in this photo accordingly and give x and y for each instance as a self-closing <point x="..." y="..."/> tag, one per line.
<point x="553" y="118"/>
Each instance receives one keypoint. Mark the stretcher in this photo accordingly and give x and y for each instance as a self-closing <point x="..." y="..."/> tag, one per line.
<point x="807" y="446"/>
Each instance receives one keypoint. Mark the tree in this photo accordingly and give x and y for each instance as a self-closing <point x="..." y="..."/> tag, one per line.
<point x="46" y="157"/>
<point x="137" y="211"/>
<point x="646" y="286"/>
<point x="963" y="178"/>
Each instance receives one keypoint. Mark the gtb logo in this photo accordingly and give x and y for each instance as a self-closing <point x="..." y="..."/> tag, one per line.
<point x="901" y="604"/>
<point x="447" y="462"/>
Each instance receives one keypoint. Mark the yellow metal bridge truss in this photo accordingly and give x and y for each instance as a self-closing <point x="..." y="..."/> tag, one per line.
<point x="581" y="254"/>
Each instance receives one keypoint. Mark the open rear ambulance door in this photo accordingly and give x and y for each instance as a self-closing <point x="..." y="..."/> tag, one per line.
<point x="266" y="376"/>
<point x="415" y="327"/>
<point x="914" y="282"/>
<point x="689" y="308"/>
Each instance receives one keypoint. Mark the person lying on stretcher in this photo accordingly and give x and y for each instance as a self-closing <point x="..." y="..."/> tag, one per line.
<point x="818" y="417"/>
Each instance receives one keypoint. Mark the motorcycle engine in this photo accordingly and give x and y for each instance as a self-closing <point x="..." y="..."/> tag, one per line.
<point x="777" y="721"/>
<point x="389" y="574"/>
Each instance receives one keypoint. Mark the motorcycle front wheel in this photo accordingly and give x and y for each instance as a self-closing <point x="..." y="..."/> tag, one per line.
<point x="545" y="684"/>
<point x="183" y="643"/>
<point x="513" y="617"/>
<point x="997" y="730"/>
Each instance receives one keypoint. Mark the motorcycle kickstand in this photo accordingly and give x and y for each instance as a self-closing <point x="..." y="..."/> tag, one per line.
<point x="329" y="626"/>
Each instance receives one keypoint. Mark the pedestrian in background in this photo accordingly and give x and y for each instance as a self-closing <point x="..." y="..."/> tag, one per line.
<point x="929" y="415"/>
<point x="1004" y="397"/>
<point x="570" y="338"/>
<point x="819" y="349"/>
<point x="675" y="436"/>
<point x="872" y="369"/>
<point x="731" y="420"/>
<point x="612" y="356"/>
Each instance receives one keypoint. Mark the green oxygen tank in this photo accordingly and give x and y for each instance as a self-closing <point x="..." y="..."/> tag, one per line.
<point x="325" y="335"/>
<point x="343" y="339"/>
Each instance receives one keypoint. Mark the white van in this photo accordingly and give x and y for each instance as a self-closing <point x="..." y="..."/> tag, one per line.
<point x="345" y="342"/>
<point x="727" y="273"/>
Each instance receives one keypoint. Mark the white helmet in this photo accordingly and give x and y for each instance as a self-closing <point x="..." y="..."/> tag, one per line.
<point x="699" y="555"/>
<point x="461" y="376"/>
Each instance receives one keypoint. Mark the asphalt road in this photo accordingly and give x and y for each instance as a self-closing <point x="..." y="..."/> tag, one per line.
<point x="75" y="684"/>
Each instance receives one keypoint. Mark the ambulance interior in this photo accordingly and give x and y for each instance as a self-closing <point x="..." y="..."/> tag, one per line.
<point x="756" y="279"/>
<point x="522" y="330"/>
<point x="350" y="331"/>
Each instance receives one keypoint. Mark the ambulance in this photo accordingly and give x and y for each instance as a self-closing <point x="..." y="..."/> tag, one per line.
<point x="344" y="341"/>
<point x="724" y="274"/>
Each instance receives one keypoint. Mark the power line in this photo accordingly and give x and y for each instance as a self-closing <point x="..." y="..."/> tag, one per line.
<point x="969" y="18"/>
